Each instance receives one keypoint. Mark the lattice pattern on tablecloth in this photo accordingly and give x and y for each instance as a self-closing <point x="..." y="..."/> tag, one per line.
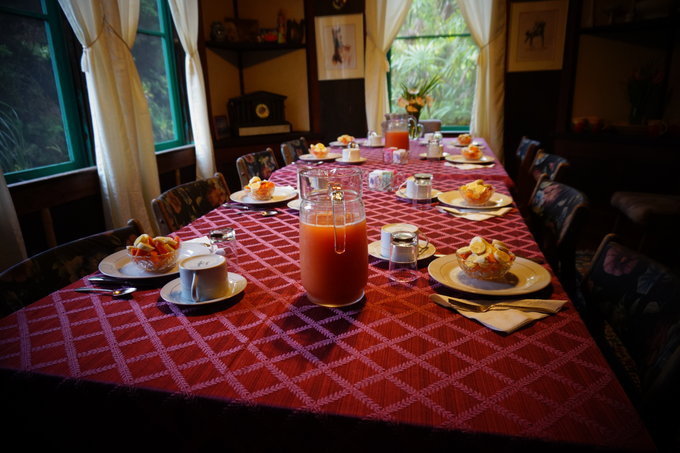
<point x="394" y="357"/>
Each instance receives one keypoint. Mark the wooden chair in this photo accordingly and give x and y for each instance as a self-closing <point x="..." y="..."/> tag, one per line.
<point x="293" y="149"/>
<point x="185" y="203"/>
<point x="48" y="271"/>
<point x="261" y="163"/>
<point x="633" y="311"/>
<point x="518" y="167"/>
<point x="556" y="214"/>
<point x="553" y="166"/>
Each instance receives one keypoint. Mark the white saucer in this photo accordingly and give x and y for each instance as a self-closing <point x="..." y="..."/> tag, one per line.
<point x="172" y="291"/>
<point x="295" y="204"/>
<point x="374" y="251"/>
<point x="313" y="158"/>
<point x="459" y="159"/>
<point x="401" y="193"/>
<point x="361" y="160"/>
<point x="424" y="156"/>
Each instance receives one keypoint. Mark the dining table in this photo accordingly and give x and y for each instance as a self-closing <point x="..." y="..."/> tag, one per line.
<point x="268" y="370"/>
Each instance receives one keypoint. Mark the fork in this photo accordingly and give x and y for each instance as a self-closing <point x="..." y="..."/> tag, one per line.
<point x="526" y="305"/>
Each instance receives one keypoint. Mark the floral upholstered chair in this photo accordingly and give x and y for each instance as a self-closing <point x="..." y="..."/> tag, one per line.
<point x="185" y="203"/>
<point x="48" y="271"/>
<point x="293" y="149"/>
<point x="633" y="304"/>
<point x="261" y="163"/>
<point x="553" y="166"/>
<point x="556" y="214"/>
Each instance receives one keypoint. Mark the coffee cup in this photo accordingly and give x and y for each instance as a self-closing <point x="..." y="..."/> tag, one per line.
<point x="375" y="140"/>
<point x="203" y="277"/>
<point x="386" y="236"/>
<point x="351" y="154"/>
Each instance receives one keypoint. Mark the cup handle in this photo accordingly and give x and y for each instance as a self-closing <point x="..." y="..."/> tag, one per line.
<point x="194" y="287"/>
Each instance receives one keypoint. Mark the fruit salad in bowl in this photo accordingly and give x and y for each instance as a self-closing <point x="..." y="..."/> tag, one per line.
<point x="465" y="139"/>
<point x="472" y="152"/>
<point x="318" y="150"/>
<point x="345" y="139"/>
<point x="477" y="192"/>
<point x="484" y="260"/>
<point x="260" y="189"/>
<point x="157" y="254"/>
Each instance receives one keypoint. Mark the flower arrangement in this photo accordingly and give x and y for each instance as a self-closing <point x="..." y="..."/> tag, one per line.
<point x="645" y="93"/>
<point x="414" y="99"/>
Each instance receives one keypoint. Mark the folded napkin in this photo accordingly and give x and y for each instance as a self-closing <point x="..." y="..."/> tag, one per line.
<point x="510" y="320"/>
<point x="200" y="240"/>
<point x="468" y="166"/>
<point x="476" y="215"/>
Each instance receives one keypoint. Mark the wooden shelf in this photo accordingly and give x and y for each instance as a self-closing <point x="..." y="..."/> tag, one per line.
<point x="252" y="46"/>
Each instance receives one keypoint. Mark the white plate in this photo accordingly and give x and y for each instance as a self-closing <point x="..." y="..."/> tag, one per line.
<point x="374" y="251"/>
<point x="172" y="291"/>
<point x="457" y="144"/>
<point x="119" y="264"/>
<point x="295" y="204"/>
<point x="459" y="159"/>
<point x="453" y="198"/>
<point x="355" y="162"/>
<point x="424" y="156"/>
<point x="524" y="277"/>
<point x="337" y="144"/>
<point x="280" y="194"/>
<point x="401" y="193"/>
<point x="313" y="158"/>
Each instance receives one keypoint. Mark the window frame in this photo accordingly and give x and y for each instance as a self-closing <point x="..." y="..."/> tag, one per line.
<point x="66" y="52"/>
<point x="455" y="129"/>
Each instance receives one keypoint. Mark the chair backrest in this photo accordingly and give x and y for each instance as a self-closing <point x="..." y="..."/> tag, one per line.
<point x="636" y="301"/>
<point x="524" y="156"/>
<point x="293" y="149"/>
<point x="431" y="125"/>
<point x="48" y="271"/>
<point x="261" y="163"/>
<point x="556" y="214"/>
<point x="185" y="203"/>
<point x="552" y="165"/>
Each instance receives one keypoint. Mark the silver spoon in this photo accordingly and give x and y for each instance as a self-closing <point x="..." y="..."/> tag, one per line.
<point x="266" y="213"/>
<point x="113" y="292"/>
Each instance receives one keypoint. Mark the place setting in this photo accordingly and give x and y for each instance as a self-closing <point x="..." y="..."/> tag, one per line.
<point x="418" y="189"/>
<point x="489" y="268"/>
<point x="260" y="192"/>
<point x="381" y="249"/>
<point x="475" y="200"/>
<point x="351" y="155"/>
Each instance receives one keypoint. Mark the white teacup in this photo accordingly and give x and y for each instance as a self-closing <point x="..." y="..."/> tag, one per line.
<point x="203" y="277"/>
<point x="386" y="236"/>
<point x="416" y="191"/>
<point x="351" y="154"/>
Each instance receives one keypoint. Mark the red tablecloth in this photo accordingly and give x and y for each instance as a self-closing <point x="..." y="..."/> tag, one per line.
<point x="271" y="369"/>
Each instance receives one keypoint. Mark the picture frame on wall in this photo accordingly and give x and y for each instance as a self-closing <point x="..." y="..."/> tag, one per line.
<point x="340" y="46"/>
<point x="536" y="36"/>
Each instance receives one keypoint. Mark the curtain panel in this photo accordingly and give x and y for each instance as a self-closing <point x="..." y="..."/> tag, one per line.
<point x="487" y="23"/>
<point x="13" y="248"/>
<point x="383" y="21"/>
<point x="123" y="135"/>
<point x="185" y="17"/>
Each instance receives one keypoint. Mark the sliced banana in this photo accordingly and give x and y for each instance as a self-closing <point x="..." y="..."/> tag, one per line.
<point x="478" y="245"/>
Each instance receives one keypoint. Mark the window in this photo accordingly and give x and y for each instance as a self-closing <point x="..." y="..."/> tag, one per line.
<point x="44" y="117"/>
<point x="434" y="40"/>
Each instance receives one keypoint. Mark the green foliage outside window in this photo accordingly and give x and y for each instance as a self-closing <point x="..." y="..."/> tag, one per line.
<point x="434" y="40"/>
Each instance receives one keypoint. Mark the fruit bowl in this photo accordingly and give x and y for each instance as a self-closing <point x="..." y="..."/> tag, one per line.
<point x="155" y="262"/>
<point x="476" y="193"/>
<point x="485" y="261"/>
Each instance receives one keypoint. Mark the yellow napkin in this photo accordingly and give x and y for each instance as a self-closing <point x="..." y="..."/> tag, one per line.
<point x="476" y="216"/>
<point x="509" y="320"/>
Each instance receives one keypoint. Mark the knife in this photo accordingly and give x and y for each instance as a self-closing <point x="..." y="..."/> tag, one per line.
<point x="104" y="280"/>
<point x="548" y="306"/>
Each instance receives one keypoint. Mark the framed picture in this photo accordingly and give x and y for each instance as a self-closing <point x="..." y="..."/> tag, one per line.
<point x="536" y="38"/>
<point x="340" y="46"/>
<point x="221" y="127"/>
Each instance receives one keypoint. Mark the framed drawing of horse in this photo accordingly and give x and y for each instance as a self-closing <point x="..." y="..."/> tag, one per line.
<point x="340" y="46"/>
<point x="536" y="37"/>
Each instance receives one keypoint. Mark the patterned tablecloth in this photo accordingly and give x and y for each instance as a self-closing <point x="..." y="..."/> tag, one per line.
<point x="268" y="369"/>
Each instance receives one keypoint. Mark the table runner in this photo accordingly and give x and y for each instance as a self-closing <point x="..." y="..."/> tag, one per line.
<point x="394" y="363"/>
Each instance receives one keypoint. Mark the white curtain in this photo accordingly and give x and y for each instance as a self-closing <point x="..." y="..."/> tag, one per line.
<point x="185" y="17"/>
<point x="123" y="136"/>
<point x="13" y="248"/>
<point x="486" y="21"/>
<point x="383" y="21"/>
